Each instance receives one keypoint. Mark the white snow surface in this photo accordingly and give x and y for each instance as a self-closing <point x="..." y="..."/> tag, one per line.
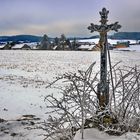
<point x="111" y="41"/>
<point x="94" y="134"/>
<point x="25" y="74"/>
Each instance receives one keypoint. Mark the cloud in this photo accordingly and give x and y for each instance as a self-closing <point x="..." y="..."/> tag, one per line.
<point x="55" y="17"/>
<point x="70" y="28"/>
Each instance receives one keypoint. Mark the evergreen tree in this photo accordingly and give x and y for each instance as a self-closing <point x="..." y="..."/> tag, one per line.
<point x="56" y="41"/>
<point x="63" y="41"/>
<point x="74" y="44"/>
<point x="45" y="43"/>
<point x="68" y="43"/>
<point x="7" y="46"/>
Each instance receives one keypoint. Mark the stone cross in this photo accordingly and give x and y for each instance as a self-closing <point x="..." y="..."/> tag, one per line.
<point x="103" y="86"/>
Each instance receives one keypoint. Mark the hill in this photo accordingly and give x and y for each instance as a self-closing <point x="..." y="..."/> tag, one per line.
<point x="33" y="38"/>
<point x="126" y="35"/>
<point x="25" y="38"/>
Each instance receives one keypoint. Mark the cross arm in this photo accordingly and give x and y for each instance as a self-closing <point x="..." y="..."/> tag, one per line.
<point x="114" y="26"/>
<point x="93" y="27"/>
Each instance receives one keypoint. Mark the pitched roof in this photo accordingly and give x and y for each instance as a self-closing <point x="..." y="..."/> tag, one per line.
<point x="18" y="46"/>
<point x="2" y="46"/>
<point x="86" y="47"/>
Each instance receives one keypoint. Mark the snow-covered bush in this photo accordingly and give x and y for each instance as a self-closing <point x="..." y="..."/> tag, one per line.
<point x="125" y="97"/>
<point x="74" y="104"/>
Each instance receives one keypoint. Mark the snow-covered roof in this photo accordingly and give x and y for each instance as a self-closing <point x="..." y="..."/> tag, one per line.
<point x="18" y="46"/>
<point x="2" y="46"/>
<point x="54" y="48"/>
<point x="96" y="40"/>
<point x="87" y="47"/>
<point x="32" y="45"/>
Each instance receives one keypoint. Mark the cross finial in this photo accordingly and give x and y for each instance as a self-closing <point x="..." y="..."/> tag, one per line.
<point x="104" y="15"/>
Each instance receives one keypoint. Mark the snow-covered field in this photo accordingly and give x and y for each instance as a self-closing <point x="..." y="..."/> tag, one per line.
<point x="24" y="76"/>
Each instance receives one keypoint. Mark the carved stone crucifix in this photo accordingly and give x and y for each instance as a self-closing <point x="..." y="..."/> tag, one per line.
<point x="103" y="86"/>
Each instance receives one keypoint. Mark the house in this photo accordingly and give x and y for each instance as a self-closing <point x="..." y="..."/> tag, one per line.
<point x="60" y="47"/>
<point x="122" y="44"/>
<point x="2" y="47"/>
<point x="88" y="48"/>
<point x="33" y="45"/>
<point x="130" y="48"/>
<point x="21" y="47"/>
<point x="5" y="46"/>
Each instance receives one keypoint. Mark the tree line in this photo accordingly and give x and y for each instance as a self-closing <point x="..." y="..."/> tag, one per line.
<point x="61" y="43"/>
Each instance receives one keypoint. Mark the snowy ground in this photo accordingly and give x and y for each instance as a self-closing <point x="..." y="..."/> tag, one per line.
<point x="94" y="134"/>
<point x="24" y="76"/>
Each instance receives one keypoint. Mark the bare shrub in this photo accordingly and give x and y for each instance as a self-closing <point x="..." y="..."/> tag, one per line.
<point x="125" y="103"/>
<point x="75" y="105"/>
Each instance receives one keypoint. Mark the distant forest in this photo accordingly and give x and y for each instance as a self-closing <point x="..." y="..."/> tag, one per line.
<point x="126" y="35"/>
<point x="25" y="38"/>
<point x="33" y="38"/>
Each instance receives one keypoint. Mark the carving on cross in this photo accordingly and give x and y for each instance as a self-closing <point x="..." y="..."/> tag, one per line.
<point x="103" y="28"/>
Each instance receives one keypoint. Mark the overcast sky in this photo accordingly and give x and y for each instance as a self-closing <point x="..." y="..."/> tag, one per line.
<point x="71" y="17"/>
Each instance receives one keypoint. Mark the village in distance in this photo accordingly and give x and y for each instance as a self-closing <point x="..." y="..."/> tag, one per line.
<point x="125" y="41"/>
